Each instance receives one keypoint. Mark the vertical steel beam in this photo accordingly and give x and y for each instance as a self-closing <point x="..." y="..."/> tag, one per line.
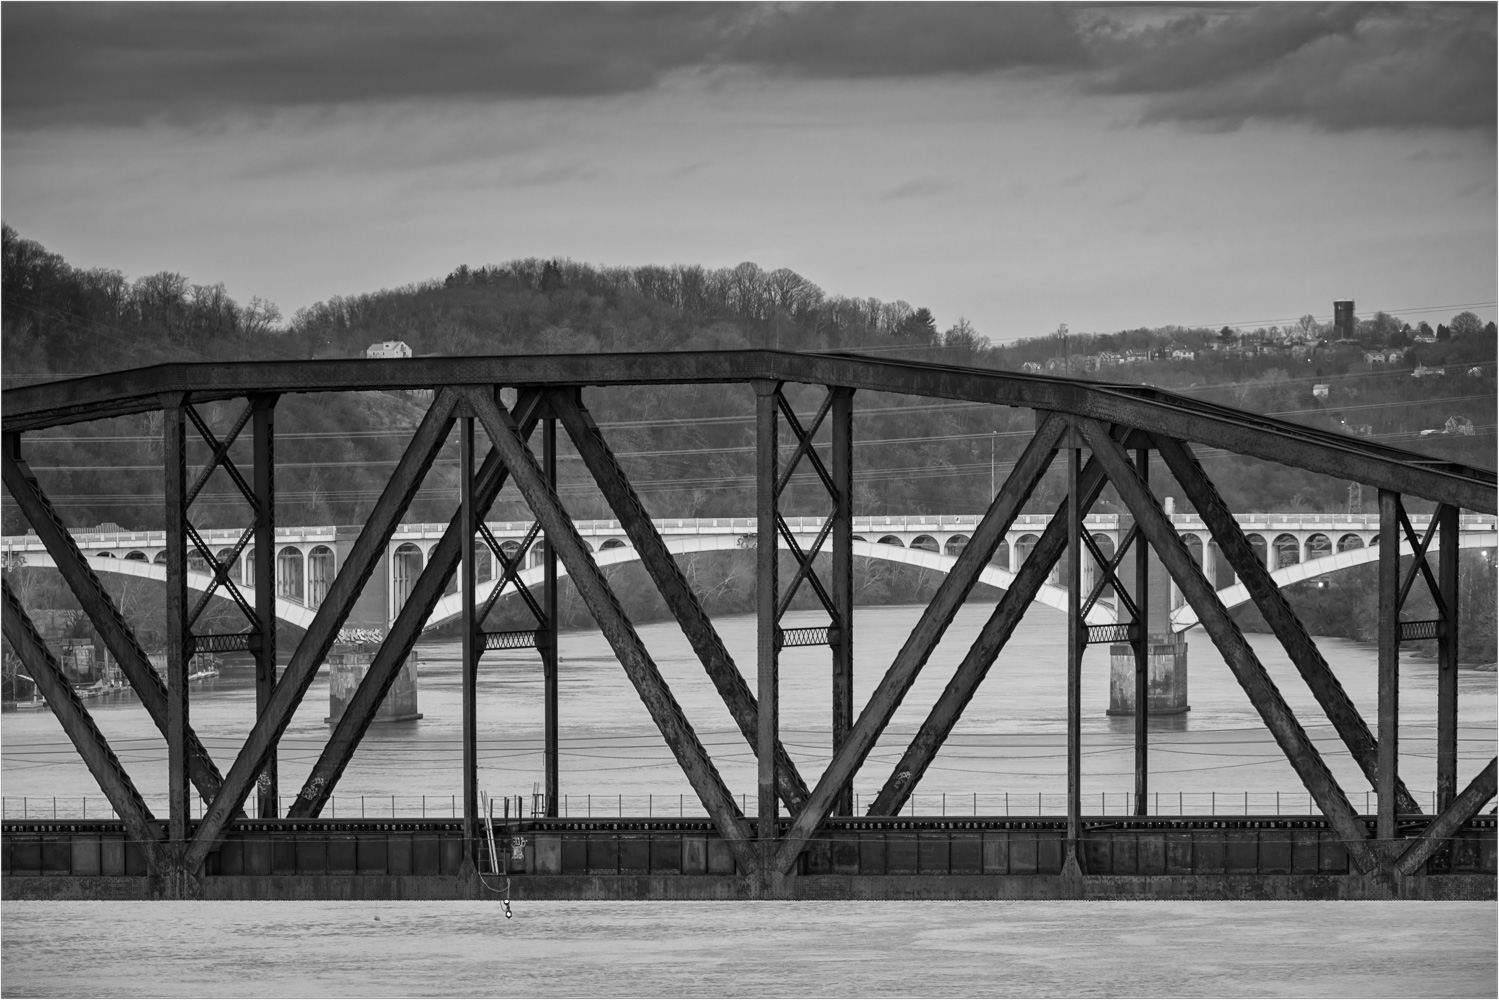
<point x="1389" y="664"/>
<point x="662" y="567"/>
<point x="472" y="648"/>
<point x="551" y="630"/>
<point x="1447" y="652"/>
<point x="75" y="720"/>
<point x="1141" y="646"/>
<point x="843" y="582"/>
<point x="593" y="588"/>
<point x="1453" y="817"/>
<point x="928" y="631"/>
<point x="1076" y="647"/>
<point x="1232" y="646"/>
<point x="767" y="477"/>
<point x="991" y="640"/>
<point x="1278" y="613"/>
<point x="368" y="550"/>
<point x="174" y="465"/>
<point x="101" y="609"/>
<point x="264" y="480"/>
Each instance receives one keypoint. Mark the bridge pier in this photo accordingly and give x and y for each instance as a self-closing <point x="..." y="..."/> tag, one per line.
<point x="1166" y="677"/>
<point x="1165" y="673"/>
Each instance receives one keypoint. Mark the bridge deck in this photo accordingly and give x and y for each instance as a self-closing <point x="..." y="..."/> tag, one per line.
<point x="638" y="857"/>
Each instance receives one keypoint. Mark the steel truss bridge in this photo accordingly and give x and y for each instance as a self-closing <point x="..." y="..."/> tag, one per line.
<point x="801" y="838"/>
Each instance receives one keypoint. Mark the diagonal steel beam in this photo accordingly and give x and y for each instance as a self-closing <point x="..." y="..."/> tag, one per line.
<point x="1272" y="604"/>
<point x="950" y="595"/>
<point x="1236" y="651"/>
<point x="361" y="708"/>
<point x="1451" y="819"/>
<point x="631" y="652"/>
<point x="361" y="561"/>
<point x="673" y="586"/>
<point x="79" y="725"/>
<point x="991" y="639"/>
<point x="96" y="602"/>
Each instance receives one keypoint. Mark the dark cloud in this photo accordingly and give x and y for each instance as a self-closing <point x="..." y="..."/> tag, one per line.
<point x="909" y="39"/>
<point x="1331" y="66"/>
<point x="127" y="62"/>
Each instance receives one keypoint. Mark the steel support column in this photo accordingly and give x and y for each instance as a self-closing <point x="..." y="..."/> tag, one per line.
<point x="404" y="631"/>
<point x="100" y="607"/>
<point x="904" y="669"/>
<point x="1076" y="646"/>
<point x="843" y="583"/>
<point x="1385" y="828"/>
<point x="1449" y="821"/>
<point x="76" y="721"/>
<point x="174" y="462"/>
<point x="673" y="586"/>
<point x="550" y="632"/>
<point x="1236" y="651"/>
<point x="1447" y="652"/>
<point x="263" y="429"/>
<point x="991" y="640"/>
<point x="1278" y="614"/>
<point x="472" y="647"/>
<point x="767" y="596"/>
<point x="312" y="651"/>
<point x="613" y="623"/>
<point x="1141" y="647"/>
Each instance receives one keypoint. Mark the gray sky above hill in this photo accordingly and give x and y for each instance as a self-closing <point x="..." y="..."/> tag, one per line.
<point x="1022" y="165"/>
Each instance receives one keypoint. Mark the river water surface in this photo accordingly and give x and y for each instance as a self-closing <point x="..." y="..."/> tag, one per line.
<point x="1008" y="750"/>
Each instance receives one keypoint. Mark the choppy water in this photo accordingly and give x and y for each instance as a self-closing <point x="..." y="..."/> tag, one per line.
<point x="803" y="949"/>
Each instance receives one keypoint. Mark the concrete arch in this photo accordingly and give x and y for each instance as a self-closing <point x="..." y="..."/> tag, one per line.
<point x="1317" y="545"/>
<point x="1194" y="545"/>
<point x="322" y="568"/>
<point x="1184" y="617"/>
<point x="136" y="555"/>
<point x="926" y="543"/>
<point x="892" y="540"/>
<point x="287" y="611"/>
<point x="1349" y="542"/>
<point x="291" y="569"/>
<point x="1287" y="550"/>
<point x="449" y="607"/>
<point x="612" y="543"/>
<point x="1022" y="552"/>
<point x="955" y="544"/>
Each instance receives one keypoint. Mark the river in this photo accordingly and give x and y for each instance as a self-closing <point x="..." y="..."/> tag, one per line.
<point x="1008" y="749"/>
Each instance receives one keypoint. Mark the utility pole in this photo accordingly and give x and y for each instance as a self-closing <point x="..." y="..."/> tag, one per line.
<point x="992" y="436"/>
<point x="1066" y="352"/>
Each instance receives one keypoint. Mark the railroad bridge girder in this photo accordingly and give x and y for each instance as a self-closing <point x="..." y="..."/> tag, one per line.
<point x="1102" y="436"/>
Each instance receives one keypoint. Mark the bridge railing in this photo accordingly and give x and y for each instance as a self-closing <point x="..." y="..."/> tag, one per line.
<point x="683" y="805"/>
<point x="1279" y="520"/>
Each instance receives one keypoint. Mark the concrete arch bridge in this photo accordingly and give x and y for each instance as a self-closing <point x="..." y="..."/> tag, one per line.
<point x="1294" y="546"/>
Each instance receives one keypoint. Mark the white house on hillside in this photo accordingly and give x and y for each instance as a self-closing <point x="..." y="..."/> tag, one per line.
<point x="388" y="349"/>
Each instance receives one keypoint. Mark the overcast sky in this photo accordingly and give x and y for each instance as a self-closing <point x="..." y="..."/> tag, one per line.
<point x="1020" y="165"/>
